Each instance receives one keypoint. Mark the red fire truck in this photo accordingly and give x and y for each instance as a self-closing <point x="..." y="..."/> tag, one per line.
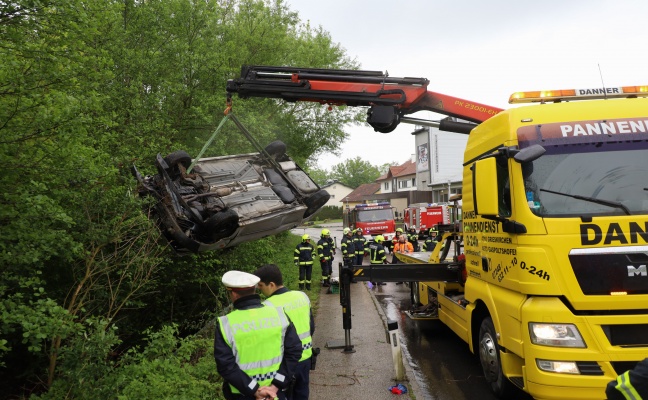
<point x="424" y="216"/>
<point x="374" y="219"/>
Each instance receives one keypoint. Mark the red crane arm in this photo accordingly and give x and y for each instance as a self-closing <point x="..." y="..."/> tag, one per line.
<point x="389" y="98"/>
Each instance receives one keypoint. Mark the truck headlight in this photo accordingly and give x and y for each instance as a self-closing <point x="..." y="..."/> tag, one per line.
<point x="557" y="335"/>
<point x="559" y="367"/>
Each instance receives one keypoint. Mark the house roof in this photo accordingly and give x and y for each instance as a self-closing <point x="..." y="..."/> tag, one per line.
<point x="335" y="182"/>
<point x="407" y="168"/>
<point x="361" y="192"/>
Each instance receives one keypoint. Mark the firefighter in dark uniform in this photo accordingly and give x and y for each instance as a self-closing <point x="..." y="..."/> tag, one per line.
<point x="304" y="260"/>
<point x="347" y="247"/>
<point x="431" y="241"/>
<point x="412" y="237"/>
<point x="360" y="244"/>
<point x="297" y="306"/>
<point x="325" y="250"/>
<point x="631" y="385"/>
<point x="377" y="254"/>
<point x="257" y="362"/>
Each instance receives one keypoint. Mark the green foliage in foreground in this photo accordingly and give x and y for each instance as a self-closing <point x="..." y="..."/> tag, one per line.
<point x="166" y="365"/>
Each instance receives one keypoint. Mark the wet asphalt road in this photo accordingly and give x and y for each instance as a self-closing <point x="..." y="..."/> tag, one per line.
<point x="442" y="363"/>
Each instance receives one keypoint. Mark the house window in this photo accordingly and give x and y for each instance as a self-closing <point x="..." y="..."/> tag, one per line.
<point x="413" y="182"/>
<point x="386" y="185"/>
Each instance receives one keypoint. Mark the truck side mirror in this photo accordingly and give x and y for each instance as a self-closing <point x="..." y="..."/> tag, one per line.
<point x="485" y="188"/>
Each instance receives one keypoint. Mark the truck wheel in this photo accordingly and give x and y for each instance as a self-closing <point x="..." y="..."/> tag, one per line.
<point x="221" y="225"/>
<point x="315" y="202"/>
<point x="489" y="355"/>
<point x="276" y="149"/>
<point x="178" y="157"/>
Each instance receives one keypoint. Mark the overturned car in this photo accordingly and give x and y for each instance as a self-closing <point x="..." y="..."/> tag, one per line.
<point x="227" y="200"/>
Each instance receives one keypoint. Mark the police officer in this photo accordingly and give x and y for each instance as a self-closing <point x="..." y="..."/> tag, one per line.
<point x="256" y="362"/>
<point x="325" y="250"/>
<point x="360" y="243"/>
<point x="297" y="306"/>
<point x="412" y="236"/>
<point x="431" y="241"/>
<point x="304" y="260"/>
<point x="631" y="385"/>
<point x="377" y="253"/>
<point x="347" y="247"/>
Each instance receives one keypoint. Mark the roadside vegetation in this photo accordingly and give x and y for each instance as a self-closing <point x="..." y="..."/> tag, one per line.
<point x="93" y="303"/>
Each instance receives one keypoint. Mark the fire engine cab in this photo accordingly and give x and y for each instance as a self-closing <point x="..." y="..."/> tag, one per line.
<point x="374" y="219"/>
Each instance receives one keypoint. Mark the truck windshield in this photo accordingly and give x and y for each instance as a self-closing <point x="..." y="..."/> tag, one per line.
<point x="375" y="215"/>
<point x="589" y="180"/>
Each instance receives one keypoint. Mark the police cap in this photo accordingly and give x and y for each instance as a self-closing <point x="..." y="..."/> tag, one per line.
<point x="239" y="280"/>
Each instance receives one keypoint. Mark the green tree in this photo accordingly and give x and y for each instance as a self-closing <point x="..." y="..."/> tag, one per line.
<point x="354" y="172"/>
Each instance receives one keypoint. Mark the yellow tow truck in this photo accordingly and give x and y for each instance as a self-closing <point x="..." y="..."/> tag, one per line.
<point x="545" y="276"/>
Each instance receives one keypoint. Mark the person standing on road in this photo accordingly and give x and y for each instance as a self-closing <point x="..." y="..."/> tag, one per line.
<point x="304" y="260"/>
<point x="377" y="253"/>
<point x="431" y="241"/>
<point x="256" y="362"/>
<point x="325" y="252"/>
<point x="347" y="247"/>
<point x="412" y="236"/>
<point x="360" y="244"/>
<point x="392" y="245"/>
<point x="297" y="306"/>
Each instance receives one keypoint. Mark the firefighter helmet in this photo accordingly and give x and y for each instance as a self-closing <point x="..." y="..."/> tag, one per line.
<point x="346" y="230"/>
<point x="380" y="239"/>
<point x="359" y="230"/>
<point x="306" y="236"/>
<point x="325" y="232"/>
<point x="400" y="230"/>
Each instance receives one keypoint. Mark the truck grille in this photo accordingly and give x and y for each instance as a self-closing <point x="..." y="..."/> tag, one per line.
<point x="627" y="335"/>
<point x="611" y="269"/>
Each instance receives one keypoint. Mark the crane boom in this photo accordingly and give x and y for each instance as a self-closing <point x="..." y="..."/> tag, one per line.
<point x="388" y="98"/>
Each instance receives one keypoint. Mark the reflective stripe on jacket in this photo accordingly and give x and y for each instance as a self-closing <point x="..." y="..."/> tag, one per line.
<point x="256" y="337"/>
<point x="297" y="306"/>
<point x="377" y="253"/>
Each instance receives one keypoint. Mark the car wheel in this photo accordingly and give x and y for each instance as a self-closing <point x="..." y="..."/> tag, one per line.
<point x="276" y="149"/>
<point x="315" y="202"/>
<point x="489" y="356"/>
<point x="178" y="157"/>
<point x="285" y="194"/>
<point x="221" y="225"/>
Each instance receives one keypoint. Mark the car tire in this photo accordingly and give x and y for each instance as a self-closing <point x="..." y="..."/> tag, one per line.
<point x="489" y="356"/>
<point x="316" y="201"/>
<point x="178" y="157"/>
<point x="276" y="149"/>
<point x="221" y="225"/>
<point x="285" y="194"/>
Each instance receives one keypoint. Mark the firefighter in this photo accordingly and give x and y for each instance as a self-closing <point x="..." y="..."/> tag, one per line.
<point x="245" y="358"/>
<point x="412" y="236"/>
<point x="631" y="385"/>
<point x="360" y="244"/>
<point x="304" y="260"/>
<point x="392" y="245"/>
<point x="377" y="254"/>
<point x="431" y="241"/>
<point x="347" y="247"/>
<point x="297" y="306"/>
<point x="325" y="250"/>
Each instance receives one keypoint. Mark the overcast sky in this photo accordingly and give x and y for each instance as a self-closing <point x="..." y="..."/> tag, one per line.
<point x="482" y="51"/>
